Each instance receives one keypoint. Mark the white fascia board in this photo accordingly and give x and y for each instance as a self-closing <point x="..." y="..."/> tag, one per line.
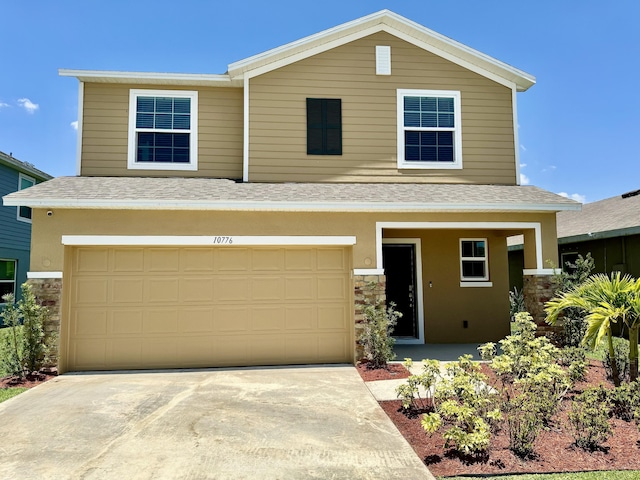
<point x="516" y="140"/>
<point x="204" y="240"/>
<point x="150" y="77"/>
<point x="245" y="142"/>
<point x="293" y="206"/>
<point x="79" y="130"/>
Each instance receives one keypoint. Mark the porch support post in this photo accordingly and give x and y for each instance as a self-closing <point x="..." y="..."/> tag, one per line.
<point x="539" y="288"/>
<point x="368" y="289"/>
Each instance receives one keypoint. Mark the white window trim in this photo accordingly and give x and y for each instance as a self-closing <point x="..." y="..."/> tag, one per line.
<point x="22" y="176"/>
<point x="457" y="130"/>
<point x="193" y="138"/>
<point x="473" y="280"/>
<point x="15" y="277"/>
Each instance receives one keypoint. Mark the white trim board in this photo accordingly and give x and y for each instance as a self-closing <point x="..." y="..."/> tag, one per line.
<point x="79" y="129"/>
<point x="204" y="240"/>
<point x="35" y="275"/>
<point x="458" y="226"/>
<point x="419" y="293"/>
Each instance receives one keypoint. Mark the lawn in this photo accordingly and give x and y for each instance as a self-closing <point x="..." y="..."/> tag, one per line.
<point x="617" y="475"/>
<point x="7" y="393"/>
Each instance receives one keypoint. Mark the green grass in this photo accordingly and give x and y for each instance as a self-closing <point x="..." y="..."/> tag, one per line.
<point x="612" y="475"/>
<point x="7" y="393"/>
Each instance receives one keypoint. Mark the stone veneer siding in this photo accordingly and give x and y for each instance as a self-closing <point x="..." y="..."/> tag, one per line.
<point x="368" y="289"/>
<point x="48" y="293"/>
<point x="537" y="290"/>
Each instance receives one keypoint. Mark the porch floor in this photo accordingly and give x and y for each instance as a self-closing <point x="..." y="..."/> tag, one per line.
<point x="445" y="352"/>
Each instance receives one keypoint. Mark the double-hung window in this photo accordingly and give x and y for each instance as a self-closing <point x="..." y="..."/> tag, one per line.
<point x="24" y="213"/>
<point x="429" y="129"/>
<point x="7" y="278"/>
<point x="163" y="126"/>
<point x="474" y="260"/>
<point x="324" y="126"/>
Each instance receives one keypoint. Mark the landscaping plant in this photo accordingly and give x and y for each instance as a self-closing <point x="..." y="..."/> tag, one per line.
<point x="376" y="338"/>
<point x="606" y="300"/>
<point x="24" y="349"/>
<point x="589" y="417"/>
<point x="409" y="392"/>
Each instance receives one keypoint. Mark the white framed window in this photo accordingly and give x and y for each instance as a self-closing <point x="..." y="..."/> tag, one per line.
<point x="24" y="213"/>
<point x="474" y="260"/>
<point x="7" y="278"/>
<point x="163" y="130"/>
<point x="429" y="129"/>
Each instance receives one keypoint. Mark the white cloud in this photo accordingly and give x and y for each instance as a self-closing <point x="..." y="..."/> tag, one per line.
<point x="550" y="168"/>
<point x="3" y="105"/>
<point x="574" y="196"/>
<point x="524" y="180"/>
<point x="74" y="125"/>
<point x="522" y="165"/>
<point x="524" y="149"/>
<point x="28" y="105"/>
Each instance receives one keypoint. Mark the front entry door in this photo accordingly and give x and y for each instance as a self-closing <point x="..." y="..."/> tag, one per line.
<point x="399" y="262"/>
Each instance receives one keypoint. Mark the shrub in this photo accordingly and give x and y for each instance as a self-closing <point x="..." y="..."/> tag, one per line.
<point x="625" y="401"/>
<point x="589" y="417"/>
<point x="516" y="302"/>
<point x="409" y="392"/>
<point x="24" y="348"/>
<point x="575" y="359"/>
<point x="524" y="425"/>
<point x="376" y="336"/>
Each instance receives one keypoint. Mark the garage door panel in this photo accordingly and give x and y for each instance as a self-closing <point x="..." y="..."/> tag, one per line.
<point x="194" y="320"/>
<point x="90" y="321"/>
<point x="126" y="321"/>
<point x="128" y="260"/>
<point x="198" y="306"/>
<point x="127" y="290"/>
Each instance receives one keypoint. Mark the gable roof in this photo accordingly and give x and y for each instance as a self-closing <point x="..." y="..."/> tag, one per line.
<point x="218" y="194"/>
<point x="611" y="217"/>
<point x="23" y="167"/>
<point x="397" y="25"/>
<point x="382" y="21"/>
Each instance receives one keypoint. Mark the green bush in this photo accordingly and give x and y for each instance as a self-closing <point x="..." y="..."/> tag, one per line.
<point x="575" y="359"/>
<point x="409" y="392"/>
<point x="621" y="353"/>
<point x="625" y="401"/>
<point x="589" y="417"/>
<point x="524" y="424"/>
<point x="376" y="338"/>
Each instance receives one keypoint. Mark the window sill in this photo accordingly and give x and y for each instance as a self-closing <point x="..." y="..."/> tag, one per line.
<point x="185" y="167"/>
<point x="476" y="284"/>
<point x="402" y="165"/>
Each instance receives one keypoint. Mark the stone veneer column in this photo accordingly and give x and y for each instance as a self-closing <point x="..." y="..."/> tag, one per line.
<point x="368" y="289"/>
<point x="48" y="293"/>
<point x="537" y="290"/>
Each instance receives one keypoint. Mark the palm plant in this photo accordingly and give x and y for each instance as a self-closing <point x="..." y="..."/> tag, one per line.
<point x="606" y="300"/>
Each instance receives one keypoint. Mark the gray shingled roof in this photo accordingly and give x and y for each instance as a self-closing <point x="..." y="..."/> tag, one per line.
<point x="217" y="194"/>
<point x="24" y="167"/>
<point x="615" y="214"/>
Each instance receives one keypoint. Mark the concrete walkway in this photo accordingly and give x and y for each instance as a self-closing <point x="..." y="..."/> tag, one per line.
<point x="259" y="423"/>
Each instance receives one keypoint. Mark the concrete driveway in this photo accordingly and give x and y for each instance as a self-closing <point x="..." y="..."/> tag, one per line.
<point x="259" y="423"/>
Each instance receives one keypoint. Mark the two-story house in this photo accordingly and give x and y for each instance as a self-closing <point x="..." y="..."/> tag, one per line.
<point x="15" y="224"/>
<point x="242" y="218"/>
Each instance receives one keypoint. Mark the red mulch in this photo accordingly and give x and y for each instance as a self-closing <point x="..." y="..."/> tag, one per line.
<point x="31" y="380"/>
<point x="392" y="371"/>
<point x="554" y="448"/>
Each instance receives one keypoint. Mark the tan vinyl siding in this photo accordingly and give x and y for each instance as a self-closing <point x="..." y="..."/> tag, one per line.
<point x="277" y="145"/>
<point x="106" y="125"/>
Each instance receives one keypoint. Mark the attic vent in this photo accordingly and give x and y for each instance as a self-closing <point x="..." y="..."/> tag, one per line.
<point x="631" y="194"/>
<point x="383" y="60"/>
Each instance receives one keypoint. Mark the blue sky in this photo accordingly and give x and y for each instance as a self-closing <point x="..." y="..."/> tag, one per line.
<point x="579" y="125"/>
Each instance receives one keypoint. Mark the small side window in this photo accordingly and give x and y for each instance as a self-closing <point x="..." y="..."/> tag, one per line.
<point x="24" y="213"/>
<point x="7" y="278"/>
<point x="474" y="259"/>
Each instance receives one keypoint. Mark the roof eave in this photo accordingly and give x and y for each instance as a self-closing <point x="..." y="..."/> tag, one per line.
<point x="585" y="237"/>
<point x="152" y="78"/>
<point x="24" y="167"/>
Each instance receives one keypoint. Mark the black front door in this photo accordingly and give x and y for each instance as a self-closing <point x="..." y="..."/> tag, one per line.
<point x="399" y="262"/>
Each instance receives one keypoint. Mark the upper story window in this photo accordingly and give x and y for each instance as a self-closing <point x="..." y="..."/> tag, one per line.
<point x="429" y="133"/>
<point x="163" y="126"/>
<point x="324" y="126"/>
<point x="24" y="213"/>
<point x="7" y="278"/>
<point x="474" y="259"/>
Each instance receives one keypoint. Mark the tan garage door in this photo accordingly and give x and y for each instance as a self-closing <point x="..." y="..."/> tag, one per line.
<point x="167" y="307"/>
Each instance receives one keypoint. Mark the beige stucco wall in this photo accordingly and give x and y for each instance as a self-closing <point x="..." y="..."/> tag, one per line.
<point x="277" y="116"/>
<point x="105" y="128"/>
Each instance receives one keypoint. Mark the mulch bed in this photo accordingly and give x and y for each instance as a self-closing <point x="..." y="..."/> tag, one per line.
<point x="393" y="371"/>
<point x="31" y="380"/>
<point x="554" y="448"/>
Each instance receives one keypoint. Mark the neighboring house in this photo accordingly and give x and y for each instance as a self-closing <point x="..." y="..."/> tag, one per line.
<point x="608" y="229"/>
<point x="15" y="224"/>
<point x="243" y="218"/>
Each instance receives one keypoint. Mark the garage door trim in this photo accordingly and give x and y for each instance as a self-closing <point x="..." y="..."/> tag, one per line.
<point x="205" y="240"/>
